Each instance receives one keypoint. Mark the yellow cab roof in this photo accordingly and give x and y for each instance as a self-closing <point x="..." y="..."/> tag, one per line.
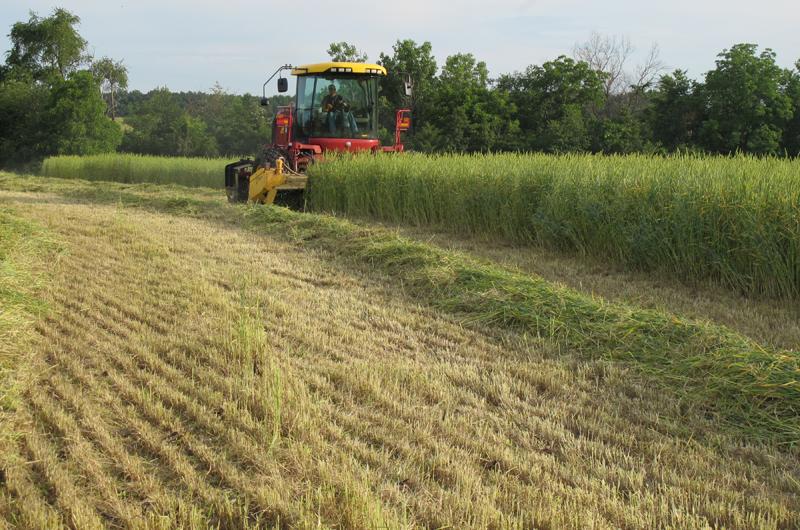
<point x="336" y="68"/>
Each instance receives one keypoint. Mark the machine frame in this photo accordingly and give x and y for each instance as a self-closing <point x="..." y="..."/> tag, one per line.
<point x="282" y="165"/>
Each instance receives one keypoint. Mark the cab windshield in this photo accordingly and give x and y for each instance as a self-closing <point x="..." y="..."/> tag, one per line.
<point x="337" y="107"/>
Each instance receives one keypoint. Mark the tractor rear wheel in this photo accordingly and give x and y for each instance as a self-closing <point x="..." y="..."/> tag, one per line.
<point x="270" y="154"/>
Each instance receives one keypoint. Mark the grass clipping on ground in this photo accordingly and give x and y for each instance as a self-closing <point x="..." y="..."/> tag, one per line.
<point x="23" y="248"/>
<point x="754" y="390"/>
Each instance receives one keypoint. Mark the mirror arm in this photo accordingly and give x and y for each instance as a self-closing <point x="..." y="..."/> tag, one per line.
<point x="279" y="70"/>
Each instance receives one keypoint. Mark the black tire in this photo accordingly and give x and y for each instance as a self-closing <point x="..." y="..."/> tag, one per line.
<point x="270" y="154"/>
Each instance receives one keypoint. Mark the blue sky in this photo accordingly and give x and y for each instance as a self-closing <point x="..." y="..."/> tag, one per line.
<point x="190" y="45"/>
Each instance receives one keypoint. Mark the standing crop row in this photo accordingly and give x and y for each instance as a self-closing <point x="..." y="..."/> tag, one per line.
<point x="735" y="221"/>
<point x="129" y="168"/>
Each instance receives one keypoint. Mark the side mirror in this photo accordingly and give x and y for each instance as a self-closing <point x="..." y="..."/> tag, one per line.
<point x="408" y="85"/>
<point x="283" y="84"/>
<point x="265" y="102"/>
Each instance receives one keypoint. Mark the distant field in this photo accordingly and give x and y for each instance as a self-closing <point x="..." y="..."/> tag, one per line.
<point x="201" y="172"/>
<point x="207" y="365"/>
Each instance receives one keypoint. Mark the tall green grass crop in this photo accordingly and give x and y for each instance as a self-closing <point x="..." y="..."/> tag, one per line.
<point x="735" y="221"/>
<point x="130" y="168"/>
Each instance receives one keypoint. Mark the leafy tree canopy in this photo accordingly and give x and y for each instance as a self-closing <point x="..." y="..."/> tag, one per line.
<point x="112" y="76"/>
<point x="791" y="135"/>
<point x="676" y="111"/>
<point x="416" y="61"/>
<point x="346" y="52"/>
<point x="161" y="127"/>
<point x="467" y="113"/>
<point x="554" y="102"/>
<point x="747" y="107"/>
<point x="76" y="118"/>
<point x="47" y="48"/>
<point x="48" y="104"/>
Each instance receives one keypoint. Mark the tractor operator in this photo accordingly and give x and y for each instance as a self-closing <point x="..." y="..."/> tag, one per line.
<point x="338" y="109"/>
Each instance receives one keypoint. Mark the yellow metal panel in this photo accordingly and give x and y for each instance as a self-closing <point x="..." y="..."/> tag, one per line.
<point x="265" y="181"/>
<point x="357" y="68"/>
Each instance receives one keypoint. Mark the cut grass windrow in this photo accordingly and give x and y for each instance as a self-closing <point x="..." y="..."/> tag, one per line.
<point x="24" y="248"/>
<point x="755" y="390"/>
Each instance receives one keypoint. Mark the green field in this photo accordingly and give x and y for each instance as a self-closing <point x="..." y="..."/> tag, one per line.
<point x="130" y="168"/>
<point x="732" y="221"/>
<point x="187" y="363"/>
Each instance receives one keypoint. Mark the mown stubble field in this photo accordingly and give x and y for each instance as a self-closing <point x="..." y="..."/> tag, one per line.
<point x="191" y="373"/>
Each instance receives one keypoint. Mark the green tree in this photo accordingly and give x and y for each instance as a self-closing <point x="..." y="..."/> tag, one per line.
<point x="791" y="134"/>
<point x="570" y="132"/>
<point x="48" y="105"/>
<point x="161" y="127"/>
<point x="23" y="131"/>
<point x="747" y="108"/>
<point x="346" y="52"/>
<point x="622" y="134"/>
<point x="417" y="62"/>
<point x="554" y="103"/>
<point x="47" y="47"/>
<point x="113" y="76"/>
<point x="76" y="118"/>
<point x="676" y="111"/>
<point x="239" y="124"/>
<point x="468" y="113"/>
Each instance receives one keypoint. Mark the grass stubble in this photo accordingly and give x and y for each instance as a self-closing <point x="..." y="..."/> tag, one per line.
<point x="25" y="247"/>
<point x="191" y="373"/>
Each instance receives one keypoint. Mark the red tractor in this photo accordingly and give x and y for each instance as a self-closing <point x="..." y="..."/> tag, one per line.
<point x="335" y="109"/>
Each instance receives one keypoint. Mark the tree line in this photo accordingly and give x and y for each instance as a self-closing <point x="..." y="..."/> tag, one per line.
<point x="590" y="103"/>
<point x="56" y="99"/>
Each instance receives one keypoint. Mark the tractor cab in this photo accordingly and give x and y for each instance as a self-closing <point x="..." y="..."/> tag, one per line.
<point x="336" y="105"/>
<point x="335" y="109"/>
